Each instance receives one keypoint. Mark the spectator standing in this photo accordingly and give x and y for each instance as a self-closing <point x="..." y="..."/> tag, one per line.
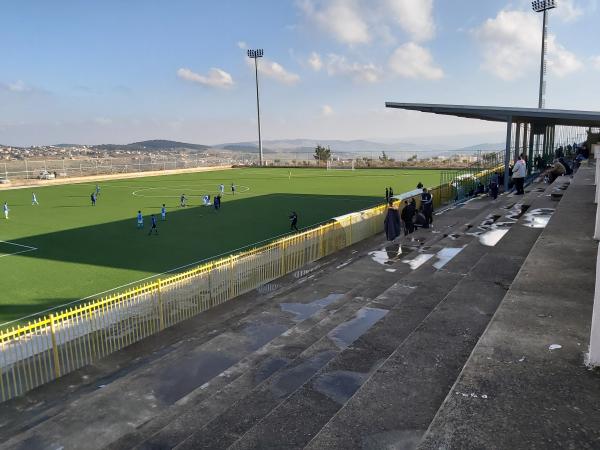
<point x="408" y="212"/>
<point x="427" y="206"/>
<point x="494" y="185"/>
<point x="519" y="173"/>
<point x="391" y="223"/>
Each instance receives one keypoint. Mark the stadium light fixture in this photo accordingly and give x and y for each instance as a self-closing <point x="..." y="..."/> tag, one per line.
<point x="543" y="6"/>
<point x="255" y="54"/>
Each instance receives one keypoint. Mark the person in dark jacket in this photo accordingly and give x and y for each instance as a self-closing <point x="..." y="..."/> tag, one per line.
<point x="427" y="206"/>
<point x="494" y="182"/>
<point x="391" y="223"/>
<point x="407" y="215"/>
<point x="294" y="221"/>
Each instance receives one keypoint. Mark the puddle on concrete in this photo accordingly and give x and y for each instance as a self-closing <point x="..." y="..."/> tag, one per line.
<point x="345" y="334"/>
<point x="538" y="218"/>
<point x="418" y="261"/>
<point x="492" y="237"/>
<point x="445" y="255"/>
<point x="345" y="263"/>
<point x="182" y="377"/>
<point x="198" y="366"/>
<point x="452" y="236"/>
<point x="387" y="255"/>
<point x="258" y="334"/>
<point x="303" y="311"/>
<point x="268" y="368"/>
<point x="517" y="211"/>
<point x="340" y="385"/>
<point x="288" y="380"/>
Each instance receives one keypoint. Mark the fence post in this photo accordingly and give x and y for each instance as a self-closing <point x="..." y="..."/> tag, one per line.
<point x="282" y="262"/>
<point x="231" y="291"/>
<point x="161" y="313"/>
<point x="54" y="347"/>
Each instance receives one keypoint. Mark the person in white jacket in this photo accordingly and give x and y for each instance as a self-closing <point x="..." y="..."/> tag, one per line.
<point x="519" y="174"/>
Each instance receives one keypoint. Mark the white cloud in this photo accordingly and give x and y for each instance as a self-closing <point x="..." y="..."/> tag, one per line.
<point x="18" y="86"/>
<point x="415" y="17"/>
<point x="242" y="45"/>
<point x="339" y="65"/>
<point x="215" y="78"/>
<point x="511" y="47"/>
<point x="413" y="61"/>
<point x="355" y="22"/>
<point x="274" y="70"/>
<point x="561" y="62"/>
<point x="343" y="19"/>
<point x="326" y="110"/>
<point x="314" y="61"/>
<point x="595" y="62"/>
<point x="569" y="11"/>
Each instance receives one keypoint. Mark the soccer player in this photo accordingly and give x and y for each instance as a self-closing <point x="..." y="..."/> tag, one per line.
<point x="34" y="200"/>
<point x="140" y="220"/>
<point x="153" y="227"/>
<point x="97" y="190"/>
<point x="294" y="220"/>
<point x="222" y="189"/>
<point x="163" y="212"/>
<point x="6" y="210"/>
<point x="232" y="189"/>
<point x="93" y="198"/>
<point x="183" y="200"/>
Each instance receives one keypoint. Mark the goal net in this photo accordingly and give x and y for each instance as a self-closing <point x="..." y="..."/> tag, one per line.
<point x="340" y="165"/>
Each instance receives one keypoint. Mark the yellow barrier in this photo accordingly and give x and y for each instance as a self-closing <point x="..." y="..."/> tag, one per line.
<point x="39" y="352"/>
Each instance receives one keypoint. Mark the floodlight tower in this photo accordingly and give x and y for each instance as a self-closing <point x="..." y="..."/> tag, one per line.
<point x="255" y="54"/>
<point x="543" y="6"/>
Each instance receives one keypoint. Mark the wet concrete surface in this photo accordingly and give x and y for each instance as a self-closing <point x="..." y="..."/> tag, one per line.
<point x="311" y="341"/>
<point x="515" y="392"/>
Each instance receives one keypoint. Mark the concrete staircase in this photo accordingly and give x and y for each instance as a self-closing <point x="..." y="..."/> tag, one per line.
<point x="358" y="350"/>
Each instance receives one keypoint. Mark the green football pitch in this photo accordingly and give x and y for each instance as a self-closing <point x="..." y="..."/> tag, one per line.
<point x="65" y="249"/>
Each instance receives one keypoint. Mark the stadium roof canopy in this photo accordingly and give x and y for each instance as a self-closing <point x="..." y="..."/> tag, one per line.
<point x="504" y="114"/>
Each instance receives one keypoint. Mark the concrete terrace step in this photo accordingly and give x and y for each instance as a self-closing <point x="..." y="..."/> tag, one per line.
<point x="213" y="435"/>
<point x="516" y="391"/>
<point x="172" y="428"/>
<point x="396" y="405"/>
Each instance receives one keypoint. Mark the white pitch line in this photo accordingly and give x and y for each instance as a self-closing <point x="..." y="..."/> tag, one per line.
<point x="19" y="245"/>
<point x="17" y="253"/>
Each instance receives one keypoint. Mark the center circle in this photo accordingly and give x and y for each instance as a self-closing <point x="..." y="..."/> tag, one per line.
<point x="197" y="190"/>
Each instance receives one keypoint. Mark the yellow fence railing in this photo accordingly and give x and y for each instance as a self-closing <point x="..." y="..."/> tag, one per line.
<point x="52" y="346"/>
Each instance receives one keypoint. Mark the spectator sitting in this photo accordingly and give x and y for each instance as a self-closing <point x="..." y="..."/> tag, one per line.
<point x="555" y="171"/>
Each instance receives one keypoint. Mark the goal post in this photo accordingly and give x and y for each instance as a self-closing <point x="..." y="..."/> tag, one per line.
<point x="341" y="165"/>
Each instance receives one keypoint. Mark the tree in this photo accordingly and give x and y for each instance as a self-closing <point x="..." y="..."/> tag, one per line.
<point x="322" y="154"/>
<point x="385" y="159"/>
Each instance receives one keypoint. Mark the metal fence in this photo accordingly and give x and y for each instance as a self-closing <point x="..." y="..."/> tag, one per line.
<point x="68" y="168"/>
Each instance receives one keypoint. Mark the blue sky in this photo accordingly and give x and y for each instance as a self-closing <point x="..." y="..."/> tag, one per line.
<point x="115" y="72"/>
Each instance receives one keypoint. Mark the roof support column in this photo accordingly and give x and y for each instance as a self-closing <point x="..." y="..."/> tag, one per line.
<point x="507" y="152"/>
<point x="531" y="157"/>
<point x="518" y="141"/>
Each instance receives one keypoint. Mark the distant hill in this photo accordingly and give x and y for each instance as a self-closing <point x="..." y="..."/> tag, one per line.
<point x="160" y="144"/>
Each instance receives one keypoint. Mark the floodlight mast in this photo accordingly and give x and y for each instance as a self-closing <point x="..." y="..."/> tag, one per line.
<point x="255" y="54"/>
<point x="543" y="6"/>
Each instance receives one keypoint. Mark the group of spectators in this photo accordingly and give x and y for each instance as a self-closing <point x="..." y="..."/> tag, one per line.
<point x="410" y="218"/>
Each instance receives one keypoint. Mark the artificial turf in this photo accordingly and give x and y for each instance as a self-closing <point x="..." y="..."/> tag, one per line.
<point x="65" y="249"/>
